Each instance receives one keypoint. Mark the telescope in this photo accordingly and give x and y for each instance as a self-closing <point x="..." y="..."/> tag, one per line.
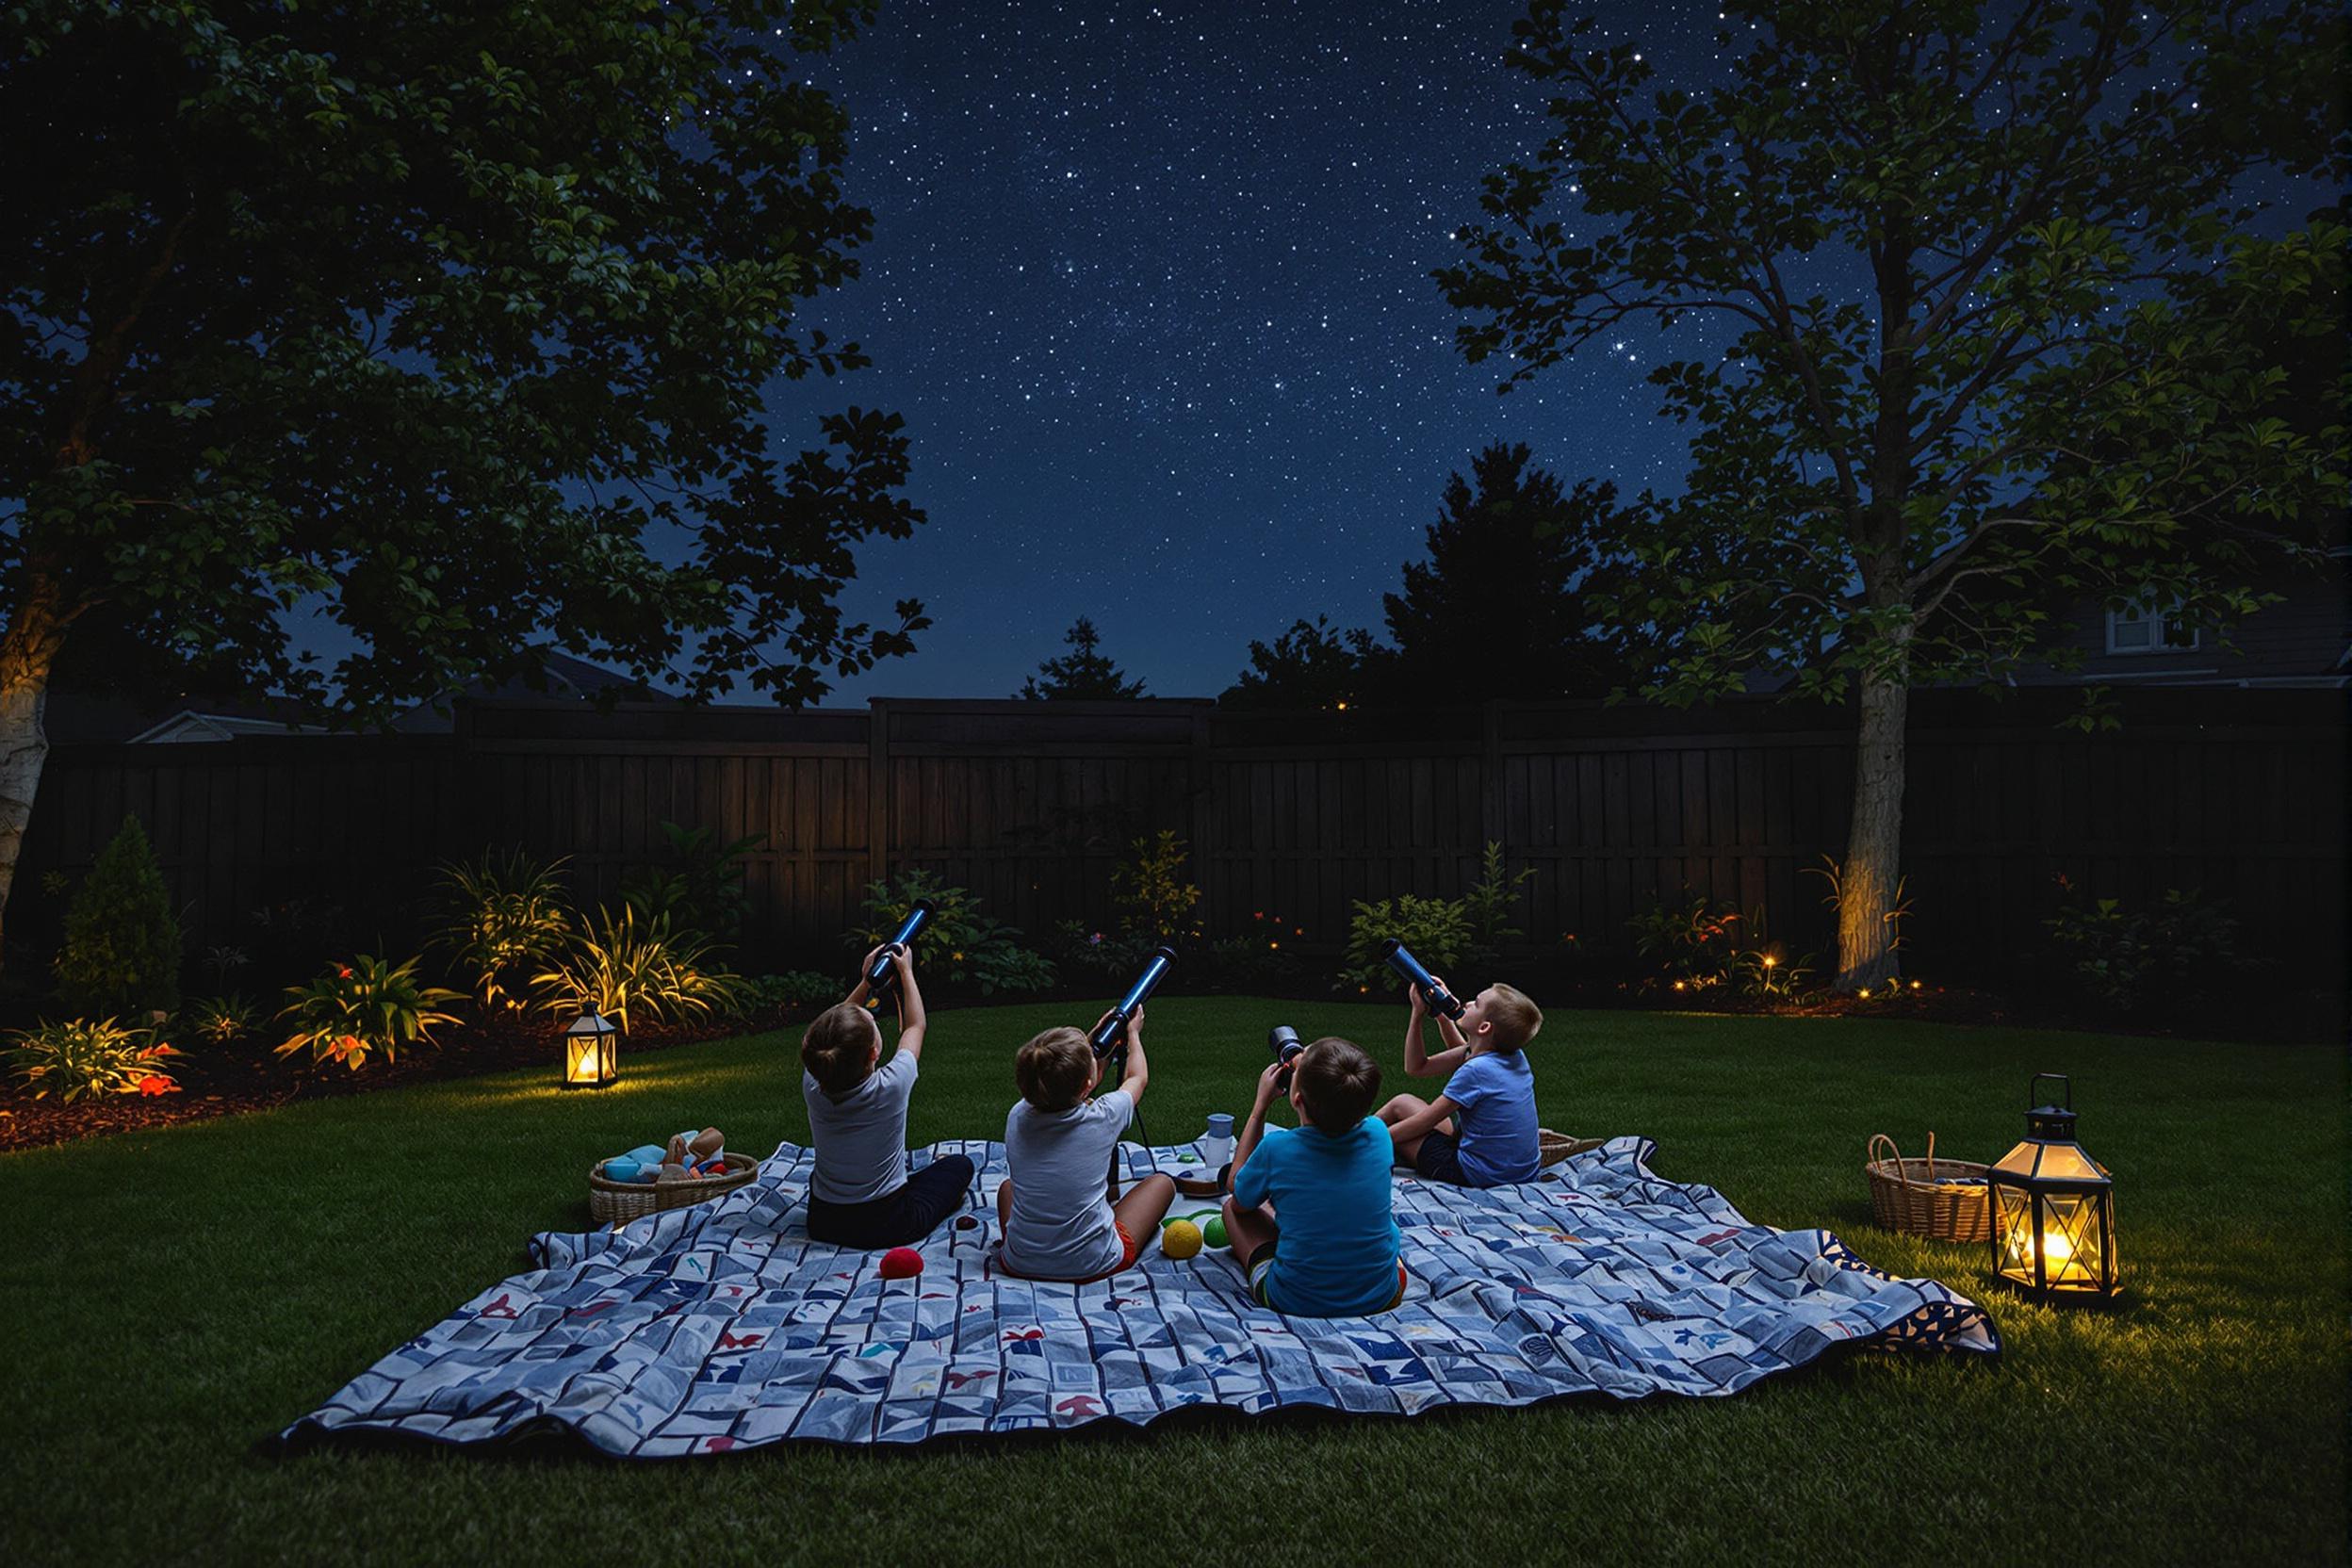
<point x="1282" y="1040"/>
<point x="1401" y="959"/>
<point x="1108" y="1034"/>
<point x="882" y="975"/>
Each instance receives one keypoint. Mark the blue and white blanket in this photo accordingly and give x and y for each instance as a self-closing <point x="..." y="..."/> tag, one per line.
<point x="723" y="1326"/>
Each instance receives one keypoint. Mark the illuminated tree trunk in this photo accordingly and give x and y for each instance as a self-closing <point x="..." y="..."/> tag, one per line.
<point x="26" y="651"/>
<point x="1872" y="868"/>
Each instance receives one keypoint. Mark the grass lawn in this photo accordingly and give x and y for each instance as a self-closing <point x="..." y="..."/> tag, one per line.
<point x="176" y="1296"/>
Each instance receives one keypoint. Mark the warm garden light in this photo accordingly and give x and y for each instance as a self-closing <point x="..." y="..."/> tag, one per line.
<point x="2053" y="1208"/>
<point x="591" y="1053"/>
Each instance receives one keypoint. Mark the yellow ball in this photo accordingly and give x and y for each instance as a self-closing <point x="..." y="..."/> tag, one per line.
<point x="1180" y="1238"/>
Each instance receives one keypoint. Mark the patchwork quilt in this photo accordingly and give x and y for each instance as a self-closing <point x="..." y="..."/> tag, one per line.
<point x="723" y="1326"/>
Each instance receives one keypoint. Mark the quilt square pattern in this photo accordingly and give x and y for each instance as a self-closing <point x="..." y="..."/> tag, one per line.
<point x="723" y="1326"/>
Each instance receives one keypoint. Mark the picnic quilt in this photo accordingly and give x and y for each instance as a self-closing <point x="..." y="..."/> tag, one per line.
<point x="723" y="1326"/>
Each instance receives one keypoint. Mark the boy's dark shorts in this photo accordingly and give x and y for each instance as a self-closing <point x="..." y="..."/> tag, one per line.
<point x="1438" y="1158"/>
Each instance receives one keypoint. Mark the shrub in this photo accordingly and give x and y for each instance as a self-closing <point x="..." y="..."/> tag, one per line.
<point x="1437" y="930"/>
<point x="503" y="917"/>
<point x="960" y="944"/>
<point x="353" y="1010"/>
<point x="1692" y="944"/>
<point x="1261" y="955"/>
<point x="81" y="1056"/>
<point x="1487" y="907"/>
<point x="1150" y="891"/>
<point x="628" y="968"/>
<point x="219" y="1020"/>
<point x="1102" y="953"/>
<point x="702" y="891"/>
<point x="122" y="950"/>
<point x="2133" y="961"/>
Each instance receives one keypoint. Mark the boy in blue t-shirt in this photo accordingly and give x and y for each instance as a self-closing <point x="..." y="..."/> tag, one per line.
<point x="1481" y="1130"/>
<point x="1328" y="1180"/>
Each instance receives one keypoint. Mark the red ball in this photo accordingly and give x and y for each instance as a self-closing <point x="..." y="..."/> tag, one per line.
<point x="901" y="1263"/>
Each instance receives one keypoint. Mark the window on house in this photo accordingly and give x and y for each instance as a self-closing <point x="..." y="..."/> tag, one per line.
<point x="2139" y="631"/>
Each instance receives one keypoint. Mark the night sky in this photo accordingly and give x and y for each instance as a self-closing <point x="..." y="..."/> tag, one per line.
<point x="1150" y="284"/>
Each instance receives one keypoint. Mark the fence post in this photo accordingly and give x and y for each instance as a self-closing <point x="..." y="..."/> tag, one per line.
<point x="1202" y="819"/>
<point x="877" y="789"/>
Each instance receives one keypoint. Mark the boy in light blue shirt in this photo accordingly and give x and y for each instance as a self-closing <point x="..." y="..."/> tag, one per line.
<point x="1334" y="1251"/>
<point x="1481" y="1130"/>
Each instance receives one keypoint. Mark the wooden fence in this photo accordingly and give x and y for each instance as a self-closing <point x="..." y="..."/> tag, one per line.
<point x="1031" y="806"/>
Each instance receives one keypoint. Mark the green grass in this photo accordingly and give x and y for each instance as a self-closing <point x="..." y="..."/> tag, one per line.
<point x="175" y="1295"/>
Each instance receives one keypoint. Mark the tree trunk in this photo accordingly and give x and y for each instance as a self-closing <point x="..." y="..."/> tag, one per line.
<point x="26" y="652"/>
<point x="1867" y="881"/>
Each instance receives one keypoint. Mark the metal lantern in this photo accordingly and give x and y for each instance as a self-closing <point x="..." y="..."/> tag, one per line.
<point x="591" y="1053"/>
<point x="2054" y="1207"/>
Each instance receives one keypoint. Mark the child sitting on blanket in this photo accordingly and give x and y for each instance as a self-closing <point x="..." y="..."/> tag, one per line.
<point x="1057" y="1222"/>
<point x="1489" y="1098"/>
<point x="1326" y="1182"/>
<point x="860" y="1194"/>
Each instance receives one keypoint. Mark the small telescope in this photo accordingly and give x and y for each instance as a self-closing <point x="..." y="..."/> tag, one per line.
<point x="1401" y="959"/>
<point x="1282" y="1040"/>
<point x="1112" y="1030"/>
<point x="882" y="975"/>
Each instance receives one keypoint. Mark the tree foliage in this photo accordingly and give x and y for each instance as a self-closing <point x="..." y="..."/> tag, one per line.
<point x="451" y="324"/>
<point x="1082" y="675"/>
<point x="2058" y="375"/>
<point x="1501" y="607"/>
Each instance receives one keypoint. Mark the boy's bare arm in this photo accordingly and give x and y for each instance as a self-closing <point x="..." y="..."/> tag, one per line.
<point x="1418" y="1062"/>
<point x="1254" y="1129"/>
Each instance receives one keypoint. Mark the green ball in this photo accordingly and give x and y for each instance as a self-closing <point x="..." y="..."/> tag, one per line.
<point x="1214" y="1233"/>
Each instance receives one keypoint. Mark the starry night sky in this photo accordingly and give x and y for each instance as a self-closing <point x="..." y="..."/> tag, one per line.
<point x="1150" y="284"/>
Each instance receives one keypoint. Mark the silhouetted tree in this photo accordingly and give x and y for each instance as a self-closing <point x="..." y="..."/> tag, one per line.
<point x="1082" y="675"/>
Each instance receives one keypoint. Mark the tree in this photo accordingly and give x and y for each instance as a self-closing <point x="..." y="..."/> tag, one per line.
<point x="1082" y="675"/>
<point x="449" y="323"/>
<point x="1500" y="608"/>
<point x="121" y="957"/>
<point x="1496" y="611"/>
<point x="1314" y="664"/>
<point x="1881" y="493"/>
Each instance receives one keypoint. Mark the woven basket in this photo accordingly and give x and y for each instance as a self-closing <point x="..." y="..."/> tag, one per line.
<point x="613" y="1203"/>
<point x="1943" y="1198"/>
<point x="1552" y="1148"/>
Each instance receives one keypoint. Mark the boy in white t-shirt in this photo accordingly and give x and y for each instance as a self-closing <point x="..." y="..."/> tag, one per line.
<point x="1057" y="1222"/>
<point x="860" y="1193"/>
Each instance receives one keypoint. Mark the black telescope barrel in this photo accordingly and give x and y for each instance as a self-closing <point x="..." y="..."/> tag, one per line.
<point x="882" y="975"/>
<point x="1401" y="959"/>
<point x="1106" y="1033"/>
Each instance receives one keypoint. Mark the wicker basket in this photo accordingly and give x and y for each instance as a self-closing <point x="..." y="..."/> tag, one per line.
<point x="614" y="1202"/>
<point x="1943" y="1198"/>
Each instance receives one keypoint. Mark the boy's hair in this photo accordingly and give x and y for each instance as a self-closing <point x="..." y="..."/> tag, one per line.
<point x="1052" y="1068"/>
<point x="1514" y="1015"/>
<point x="837" y="1048"/>
<point x="1338" y="1083"/>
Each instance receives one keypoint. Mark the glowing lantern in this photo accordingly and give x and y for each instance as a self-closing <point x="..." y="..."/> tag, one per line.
<point x="2053" y="1208"/>
<point x="591" y="1053"/>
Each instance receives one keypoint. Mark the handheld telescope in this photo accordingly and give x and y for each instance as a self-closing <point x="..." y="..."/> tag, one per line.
<point x="882" y="975"/>
<point x="1112" y="1030"/>
<point x="1282" y="1040"/>
<point x="1401" y="959"/>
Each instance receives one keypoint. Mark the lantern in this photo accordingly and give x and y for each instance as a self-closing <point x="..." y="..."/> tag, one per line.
<point x="591" y="1053"/>
<point x="2053" y="1208"/>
